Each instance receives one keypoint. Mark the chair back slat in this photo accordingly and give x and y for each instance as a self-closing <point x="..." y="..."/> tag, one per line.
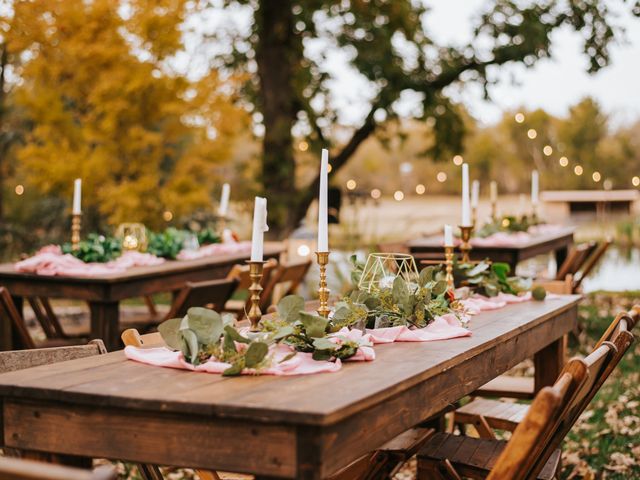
<point x="41" y="316"/>
<point x="575" y="260"/>
<point x="20" y="359"/>
<point x="213" y="294"/>
<point x="8" y="310"/>
<point x="20" y="469"/>
<point x="288" y="278"/>
<point x="591" y="262"/>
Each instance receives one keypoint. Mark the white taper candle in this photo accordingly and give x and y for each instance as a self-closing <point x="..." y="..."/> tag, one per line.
<point x="77" y="196"/>
<point x="448" y="236"/>
<point x="323" y="221"/>
<point x="224" y="200"/>
<point x="475" y="193"/>
<point x="535" y="187"/>
<point x="466" y="209"/>
<point x="259" y="227"/>
<point x="493" y="191"/>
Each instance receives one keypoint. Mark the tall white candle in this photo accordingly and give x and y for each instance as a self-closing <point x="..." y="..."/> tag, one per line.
<point x="523" y="204"/>
<point x="448" y="236"/>
<point x="224" y="200"/>
<point x="535" y="187"/>
<point x="259" y="227"/>
<point x="466" y="209"/>
<point x="323" y="226"/>
<point x="475" y="193"/>
<point x="77" y="196"/>
<point x="493" y="191"/>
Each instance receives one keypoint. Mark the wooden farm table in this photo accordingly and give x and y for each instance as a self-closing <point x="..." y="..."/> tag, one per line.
<point x="303" y="427"/>
<point x="104" y="293"/>
<point x="557" y="242"/>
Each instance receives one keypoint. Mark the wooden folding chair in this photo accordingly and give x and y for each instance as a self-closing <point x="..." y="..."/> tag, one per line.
<point x="241" y="274"/>
<point x="211" y="294"/>
<point x="284" y="281"/>
<point x="488" y="414"/>
<point x="590" y="262"/>
<point x="533" y="450"/>
<point x="19" y="469"/>
<point x="8" y="310"/>
<point x="575" y="259"/>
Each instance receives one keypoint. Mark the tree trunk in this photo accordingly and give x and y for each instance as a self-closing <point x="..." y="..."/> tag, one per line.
<point x="3" y="140"/>
<point x="278" y="53"/>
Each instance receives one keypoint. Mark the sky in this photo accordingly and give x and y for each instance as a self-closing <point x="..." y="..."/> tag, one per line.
<point x="553" y="84"/>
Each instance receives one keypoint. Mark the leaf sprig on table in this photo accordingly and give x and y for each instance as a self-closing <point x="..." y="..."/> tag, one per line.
<point x="167" y="244"/>
<point x="507" y="224"/>
<point x="489" y="279"/>
<point x="95" y="248"/>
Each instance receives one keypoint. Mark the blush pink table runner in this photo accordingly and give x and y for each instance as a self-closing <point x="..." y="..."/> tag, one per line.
<point x="504" y="239"/>
<point x="442" y="328"/>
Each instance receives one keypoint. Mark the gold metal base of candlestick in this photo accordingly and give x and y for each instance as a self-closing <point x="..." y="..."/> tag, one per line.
<point x="465" y="246"/>
<point x="448" y="256"/>
<point x="76" y="222"/>
<point x="474" y="216"/>
<point x="323" y="291"/>
<point x="255" y="314"/>
<point x="534" y="215"/>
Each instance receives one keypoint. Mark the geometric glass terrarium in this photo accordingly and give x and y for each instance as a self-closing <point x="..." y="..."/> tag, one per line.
<point x="381" y="270"/>
<point x="133" y="236"/>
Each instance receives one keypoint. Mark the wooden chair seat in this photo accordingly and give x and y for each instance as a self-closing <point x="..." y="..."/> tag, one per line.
<point x="507" y="386"/>
<point x="499" y="415"/>
<point x="20" y="469"/>
<point x="471" y="457"/>
<point x="241" y="274"/>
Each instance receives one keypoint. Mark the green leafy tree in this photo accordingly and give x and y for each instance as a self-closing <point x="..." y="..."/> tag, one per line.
<point x="387" y="45"/>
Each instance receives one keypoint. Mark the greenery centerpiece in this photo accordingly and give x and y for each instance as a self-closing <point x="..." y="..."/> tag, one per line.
<point x="96" y="248"/>
<point x="507" y="224"/>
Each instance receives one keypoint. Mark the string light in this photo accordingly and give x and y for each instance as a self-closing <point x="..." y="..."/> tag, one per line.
<point x="578" y="170"/>
<point x="398" y="195"/>
<point x="547" y="150"/>
<point x="564" y="161"/>
<point x="532" y="133"/>
<point x="167" y="215"/>
<point x="376" y="193"/>
<point x="19" y="189"/>
<point x="441" y="177"/>
<point x="420" y="189"/>
<point x="520" y="117"/>
<point x="457" y="160"/>
<point x="351" y="184"/>
<point x="329" y="168"/>
<point x="596" y="176"/>
<point x="635" y="181"/>
<point x="303" y="146"/>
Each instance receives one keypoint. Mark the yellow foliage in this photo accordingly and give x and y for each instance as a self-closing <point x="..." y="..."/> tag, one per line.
<point x="101" y="105"/>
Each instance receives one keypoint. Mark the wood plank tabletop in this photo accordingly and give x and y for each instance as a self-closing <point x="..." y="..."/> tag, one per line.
<point x="321" y="399"/>
<point x="170" y="267"/>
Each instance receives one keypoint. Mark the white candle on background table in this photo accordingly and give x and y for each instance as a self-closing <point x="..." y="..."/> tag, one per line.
<point x="493" y="191"/>
<point x="466" y="208"/>
<point x="535" y="187"/>
<point x="448" y="236"/>
<point x="259" y="227"/>
<point x="224" y="200"/>
<point x="475" y="193"/>
<point x="523" y="204"/>
<point x="77" y="196"/>
<point x="323" y="220"/>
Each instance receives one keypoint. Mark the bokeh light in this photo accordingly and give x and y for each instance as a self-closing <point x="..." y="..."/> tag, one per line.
<point x="420" y="189"/>
<point x="303" y="146"/>
<point x="635" y="181"/>
<point x="578" y="170"/>
<point x="398" y="195"/>
<point x="532" y="133"/>
<point x="441" y="177"/>
<point x="519" y="117"/>
<point x="19" y="189"/>
<point x="167" y="215"/>
<point x="351" y="184"/>
<point x="547" y="150"/>
<point x="596" y="176"/>
<point x="457" y="160"/>
<point x="564" y="161"/>
<point x="376" y="193"/>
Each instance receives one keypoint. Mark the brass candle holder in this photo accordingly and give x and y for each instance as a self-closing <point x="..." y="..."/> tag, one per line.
<point x="474" y="215"/>
<point x="465" y="245"/>
<point x="323" y="291"/>
<point x="76" y="222"/>
<point x="534" y="214"/>
<point x="255" y="289"/>
<point x="448" y="257"/>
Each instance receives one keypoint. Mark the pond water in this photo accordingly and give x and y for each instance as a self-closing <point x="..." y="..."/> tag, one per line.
<point x="619" y="270"/>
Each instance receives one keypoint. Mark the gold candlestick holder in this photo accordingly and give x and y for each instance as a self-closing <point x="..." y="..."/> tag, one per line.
<point x="323" y="291"/>
<point x="494" y="211"/>
<point x="534" y="214"/>
<point x="255" y="289"/>
<point x="465" y="246"/>
<point x="448" y="257"/>
<point x="76" y="222"/>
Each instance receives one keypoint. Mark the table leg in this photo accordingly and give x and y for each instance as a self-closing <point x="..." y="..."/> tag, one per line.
<point x="105" y="323"/>
<point x="548" y="364"/>
<point x="9" y="339"/>
<point x="561" y="256"/>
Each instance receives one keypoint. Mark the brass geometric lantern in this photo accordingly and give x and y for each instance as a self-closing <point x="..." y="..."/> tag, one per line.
<point x="381" y="270"/>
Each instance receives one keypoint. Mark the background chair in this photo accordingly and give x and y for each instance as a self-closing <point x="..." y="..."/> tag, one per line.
<point x="285" y="280"/>
<point x="211" y="294"/>
<point x="241" y="273"/>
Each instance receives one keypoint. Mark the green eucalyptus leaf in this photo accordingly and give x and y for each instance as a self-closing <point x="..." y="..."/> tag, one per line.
<point x="478" y="269"/>
<point x="233" y="370"/>
<point x="228" y="345"/>
<point x="501" y="270"/>
<point x="283" y="332"/>
<point x="322" y="355"/>
<point x="324" y="344"/>
<point x="341" y="313"/>
<point x="170" y="332"/>
<point x="191" y="340"/>
<point x="255" y="354"/>
<point x="439" y="288"/>
<point x="234" y="335"/>
<point x="314" y="325"/>
<point x="228" y="319"/>
<point x="400" y="290"/>
<point x="289" y="308"/>
<point x="206" y="324"/>
<point x="426" y="275"/>
<point x="288" y="357"/>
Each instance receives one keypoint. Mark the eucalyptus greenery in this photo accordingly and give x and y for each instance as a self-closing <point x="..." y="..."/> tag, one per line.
<point x="167" y="244"/>
<point x="489" y="279"/>
<point x="507" y="223"/>
<point x="95" y="248"/>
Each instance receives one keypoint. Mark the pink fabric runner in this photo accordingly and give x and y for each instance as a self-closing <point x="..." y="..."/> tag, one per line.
<point x="51" y="261"/>
<point x="442" y="328"/>
<point x="215" y="249"/>
<point x="504" y="239"/>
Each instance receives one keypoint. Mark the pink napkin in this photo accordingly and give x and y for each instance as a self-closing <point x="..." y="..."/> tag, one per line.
<point x="51" y="261"/>
<point x="215" y="249"/>
<point x="501" y="239"/>
<point x="479" y="303"/>
<point x="442" y="328"/>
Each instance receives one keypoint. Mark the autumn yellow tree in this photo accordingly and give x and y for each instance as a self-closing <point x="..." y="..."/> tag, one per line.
<point x="100" y="101"/>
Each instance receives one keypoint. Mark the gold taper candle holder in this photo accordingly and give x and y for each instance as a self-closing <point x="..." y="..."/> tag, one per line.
<point x="465" y="245"/>
<point x="255" y="289"/>
<point x="448" y="257"/>
<point x="76" y="222"/>
<point x="323" y="291"/>
<point x="494" y="211"/>
<point x="534" y="214"/>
